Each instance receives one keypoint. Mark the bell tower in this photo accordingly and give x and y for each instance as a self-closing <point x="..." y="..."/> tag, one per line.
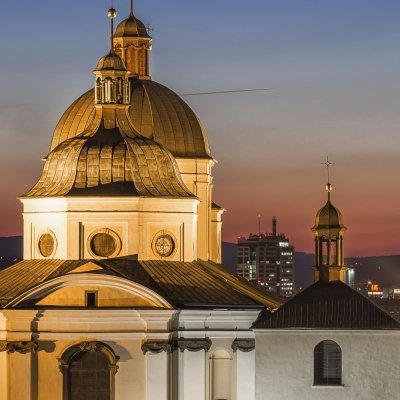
<point x="133" y="43"/>
<point x="328" y="236"/>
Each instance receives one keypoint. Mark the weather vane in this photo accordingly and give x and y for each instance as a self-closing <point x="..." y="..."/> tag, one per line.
<point x="328" y="164"/>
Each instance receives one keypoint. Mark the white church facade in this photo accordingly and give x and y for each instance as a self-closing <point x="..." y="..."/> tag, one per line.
<point x="121" y="294"/>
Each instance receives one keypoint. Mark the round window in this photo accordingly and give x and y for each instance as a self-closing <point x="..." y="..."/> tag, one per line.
<point x="164" y="244"/>
<point x="46" y="245"/>
<point x="103" y="245"/>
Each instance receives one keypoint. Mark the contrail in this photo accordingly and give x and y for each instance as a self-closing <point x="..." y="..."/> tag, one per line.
<point x="225" y="91"/>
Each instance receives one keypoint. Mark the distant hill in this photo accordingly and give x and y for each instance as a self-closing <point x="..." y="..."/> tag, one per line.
<point x="10" y="250"/>
<point x="384" y="270"/>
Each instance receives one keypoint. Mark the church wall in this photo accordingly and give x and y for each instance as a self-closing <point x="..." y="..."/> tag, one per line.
<point x="196" y="174"/>
<point x="370" y="365"/>
<point x="133" y="222"/>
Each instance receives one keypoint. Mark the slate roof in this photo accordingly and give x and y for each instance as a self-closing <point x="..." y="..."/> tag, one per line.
<point x="327" y="305"/>
<point x="183" y="285"/>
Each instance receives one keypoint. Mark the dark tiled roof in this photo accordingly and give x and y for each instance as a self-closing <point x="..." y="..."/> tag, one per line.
<point x="327" y="305"/>
<point x="195" y="284"/>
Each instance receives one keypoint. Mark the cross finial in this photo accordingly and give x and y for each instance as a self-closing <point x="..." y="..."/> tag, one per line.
<point x="328" y="164"/>
<point x="149" y="28"/>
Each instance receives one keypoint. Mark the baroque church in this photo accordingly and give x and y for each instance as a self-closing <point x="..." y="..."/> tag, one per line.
<point x="121" y="293"/>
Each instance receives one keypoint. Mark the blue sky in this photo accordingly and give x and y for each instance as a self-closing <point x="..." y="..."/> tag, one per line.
<point x="334" y="66"/>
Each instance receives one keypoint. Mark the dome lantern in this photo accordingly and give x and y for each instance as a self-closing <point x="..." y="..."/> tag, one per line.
<point x="133" y="43"/>
<point x="328" y="236"/>
<point x="112" y="83"/>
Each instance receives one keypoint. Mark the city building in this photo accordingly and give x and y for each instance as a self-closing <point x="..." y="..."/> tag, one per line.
<point x="268" y="261"/>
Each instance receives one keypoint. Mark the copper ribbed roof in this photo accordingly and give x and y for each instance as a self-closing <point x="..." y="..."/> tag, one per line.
<point x="111" y="62"/>
<point x="328" y="217"/>
<point x="110" y="158"/>
<point x="191" y="284"/>
<point x="156" y="111"/>
<point x="131" y="27"/>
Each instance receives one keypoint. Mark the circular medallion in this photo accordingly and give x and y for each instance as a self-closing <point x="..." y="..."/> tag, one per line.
<point x="46" y="244"/>
<point x="164" y="245"/>
<point x="103" y="243"/>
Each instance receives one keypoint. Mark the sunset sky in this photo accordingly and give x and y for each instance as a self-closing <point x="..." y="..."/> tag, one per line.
<point x="334" y="67"/>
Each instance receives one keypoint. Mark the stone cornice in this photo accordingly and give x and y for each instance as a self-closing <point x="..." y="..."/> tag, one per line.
<point x="18" y="347"/>
<point x="245" y="345"/>
<point x="156" y="347"/>
<point x="193" y="344"/>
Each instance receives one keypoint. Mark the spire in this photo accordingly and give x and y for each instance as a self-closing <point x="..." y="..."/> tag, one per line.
<point x="328" y="186"/>
<point x="274" y="222"/>
<point x="112" y="13"/>
<point x="131" y="13"/>
<point x="328" y="235"/>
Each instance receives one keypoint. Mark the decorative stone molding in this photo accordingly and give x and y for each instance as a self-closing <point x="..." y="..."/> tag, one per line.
<point x="18" y="347"/>
<point x="90" y="346"/>
<point x="193" y="344"/>
<point x="245" y="345"/>
<point x="156" y="347"/>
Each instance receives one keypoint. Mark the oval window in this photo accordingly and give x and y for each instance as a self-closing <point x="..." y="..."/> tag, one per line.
<point x="46" y="245"/>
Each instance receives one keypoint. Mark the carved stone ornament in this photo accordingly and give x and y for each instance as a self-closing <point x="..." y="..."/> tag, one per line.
<point x="90" y="346"/>
<point x="18" y="347"/>
<point x="156" y="347"/>
<point x="193" y="344"/>
<point x="245" y="345"/>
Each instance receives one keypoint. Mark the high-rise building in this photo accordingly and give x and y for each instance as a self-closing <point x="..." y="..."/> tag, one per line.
<point x="268" y="260"/>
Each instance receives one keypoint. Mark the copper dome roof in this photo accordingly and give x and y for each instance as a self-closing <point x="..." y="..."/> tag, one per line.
<point x="156" y="112"/>
<point x="131" y="27"/>
<point x="111" y="62"/>
<point x="329" y="217"/>
<point x="110" y="158"/>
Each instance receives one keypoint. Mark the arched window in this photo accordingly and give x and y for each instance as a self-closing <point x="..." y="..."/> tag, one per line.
<point x="327" y="363"/>
<point x="221" y="375"/>
<point x="88" y="369"/>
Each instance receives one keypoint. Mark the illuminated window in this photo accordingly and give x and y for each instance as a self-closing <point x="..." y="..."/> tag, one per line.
<point x="327" y="364"/>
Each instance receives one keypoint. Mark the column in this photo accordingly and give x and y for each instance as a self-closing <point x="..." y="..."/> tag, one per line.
<point x="192" y="368"/>
<point x="3" y="375"/>
<point x="246" y="368"/>
<point x="19" y="368"/>
<point x="157" y="354"/>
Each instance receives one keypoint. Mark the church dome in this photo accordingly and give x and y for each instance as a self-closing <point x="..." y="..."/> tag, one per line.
<point x="328" y="217"/>
<point x="156" y="112"/>
<point x="111" y="61"/>
<point x="110" y="158"/>
<point x="131" y="27"/>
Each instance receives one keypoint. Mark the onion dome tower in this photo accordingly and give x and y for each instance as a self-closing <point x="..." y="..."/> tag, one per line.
<point x="328" y="235"/>
<point x="157" y="113"/>
<point x="111" y="185"/>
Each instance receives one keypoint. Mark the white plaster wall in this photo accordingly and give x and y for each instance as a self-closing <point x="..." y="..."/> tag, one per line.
<point x="135" y="221"/>
<point x="196" y="174"/>
<point x="370" y="360"/>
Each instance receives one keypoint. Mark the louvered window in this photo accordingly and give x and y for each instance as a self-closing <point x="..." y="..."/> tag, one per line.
<point x="327" y="363"/>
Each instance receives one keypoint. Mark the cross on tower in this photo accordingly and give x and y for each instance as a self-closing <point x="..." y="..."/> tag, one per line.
<point x="327" y="163"/>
